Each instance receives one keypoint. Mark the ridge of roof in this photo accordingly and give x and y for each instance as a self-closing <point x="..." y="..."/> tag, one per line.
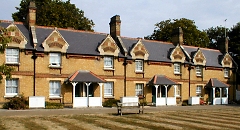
<point x="200" y="48"/>
<point x="8" y="21"/>
<point x="71" y="30"/>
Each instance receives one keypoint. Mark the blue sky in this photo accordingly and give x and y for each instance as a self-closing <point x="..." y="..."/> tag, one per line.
<point x="139" y="16"/>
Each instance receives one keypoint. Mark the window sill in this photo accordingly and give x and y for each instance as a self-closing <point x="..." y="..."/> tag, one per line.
<point x="227" y="77"/>
<point x="55" y="67"/>
<point x="15" y="64"/>
<point x="10" y="96"/>
<point x="178" y="73"/>
<point x="109" y="69"/>
<point x="55" y="97"/>
<point x="199" y="76"/>
<point x="109" y="97"/>
<point x="139" y="72"/>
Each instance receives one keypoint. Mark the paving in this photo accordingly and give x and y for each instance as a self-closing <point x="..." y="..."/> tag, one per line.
<point x="104" y="110"/>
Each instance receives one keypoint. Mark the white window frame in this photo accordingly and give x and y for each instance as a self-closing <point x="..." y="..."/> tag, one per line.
<point x="198" y="70"/>
<point x="12" y="56"/>
<point x="55" y="59"/>
<point x="138" y="65"/>
<point x="108" y="89"/>
<point x="54" y="88"/>
<point x="178" y="91"/>
<point x="226" y="72"/>
<point x="177" y="68"/>
<point x="12" y="85"/>
<point x="139" y="89"/>
<point x="108" y="62"/>
<point x="199" y="89"/>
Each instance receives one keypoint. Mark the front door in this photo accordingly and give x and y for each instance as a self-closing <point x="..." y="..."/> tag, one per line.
<point x="153" y="94"/>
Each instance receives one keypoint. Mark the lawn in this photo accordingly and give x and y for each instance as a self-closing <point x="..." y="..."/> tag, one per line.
<point x="187" y="119"/>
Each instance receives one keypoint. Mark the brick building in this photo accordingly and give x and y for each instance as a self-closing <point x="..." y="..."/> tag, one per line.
<point x="86" y="68"/>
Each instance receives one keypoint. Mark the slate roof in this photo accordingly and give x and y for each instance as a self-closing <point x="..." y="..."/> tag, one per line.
<point x="86" y="43"/>
<point x="161" y="80"/>
<point x="214" y="82"/>
<point x="85" y="76"/>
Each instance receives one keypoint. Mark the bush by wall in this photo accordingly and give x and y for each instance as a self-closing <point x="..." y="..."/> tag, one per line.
<point x="51" y="105"/>
<point x="110" y="103"/>
<point x="17" y="103"/>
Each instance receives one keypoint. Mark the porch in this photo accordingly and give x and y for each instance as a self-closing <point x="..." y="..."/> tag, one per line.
<point x="87" y="89"/>
<point x="164" y="90"/>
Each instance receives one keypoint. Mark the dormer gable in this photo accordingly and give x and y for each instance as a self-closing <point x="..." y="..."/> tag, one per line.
<point x="177" y="55"/>
<point x="108" y="47"/>
<point x="55" y="42"/>
<point x="199" y="58"/>
<point x="18" y="39"/>
<point x="227" y="61"/>
<point x="139" y="51"/>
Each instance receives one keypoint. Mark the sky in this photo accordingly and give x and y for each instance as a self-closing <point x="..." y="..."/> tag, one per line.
<point x="138" y="17"/>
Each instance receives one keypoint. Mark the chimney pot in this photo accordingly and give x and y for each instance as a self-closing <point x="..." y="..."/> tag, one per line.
<point x="115" y="25"/>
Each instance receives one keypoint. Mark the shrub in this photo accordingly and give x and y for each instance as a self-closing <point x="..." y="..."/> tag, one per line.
<point x="185" y="103"/>
<point x="51" y="105"/>
<point x="143" y="102"/>
<point x="17" y="103"/>
<point x="110" y="103"/>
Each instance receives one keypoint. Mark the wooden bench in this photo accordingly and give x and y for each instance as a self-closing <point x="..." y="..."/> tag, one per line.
<point x="129" y="105"/>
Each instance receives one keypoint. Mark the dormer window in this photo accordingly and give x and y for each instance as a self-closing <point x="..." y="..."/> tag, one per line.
<point x="138" y="65"/>
<point x="199" y="70"/>
<point x="177" y="68"/>
<point x="226" y="72"/>
<point x="55" y="60"/>
<point x="108" y="62"/>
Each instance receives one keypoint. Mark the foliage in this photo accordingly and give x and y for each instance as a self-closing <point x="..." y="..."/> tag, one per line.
<point x="143" y="102"/>
<point x="55" y="13"/>
<point x="4" y="40"/>
<point x="17" y="103"/>
<point x="110" y="103"/>
<point x="191" y="35"/>
<point x="216" y="36"/>
<point x="185" y="103"/>
<point x="234" y="44"/>
<point x="51" y="105"/>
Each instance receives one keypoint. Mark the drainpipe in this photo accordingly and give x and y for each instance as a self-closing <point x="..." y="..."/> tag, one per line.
<point x="125" y="75"/>
<point x="189" y="80"/>
<point x="34" y="57"/>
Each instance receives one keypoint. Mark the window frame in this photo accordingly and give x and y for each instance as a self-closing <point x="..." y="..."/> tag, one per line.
<point x="108" y="59"/>
<point x="139" y="66"/>
<point x="139" y="89"/>
<point x="11" y="86"/>
<point x="226" y="72"/>
<point x="54" y="88"/>
<point x="199" y="91"/>
<point x="12" y="56"/>
<point x="198" y="70"/>
<point x="52" y="62"/>
<point x="178" y="91"/>
<point x="110" y="89"/>
<point x="177" y="68"/>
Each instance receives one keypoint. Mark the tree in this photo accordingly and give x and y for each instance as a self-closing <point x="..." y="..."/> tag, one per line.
<point x="216" y="36"/>
<point x="4" y="40"/>
<point x="191" y="35"/>
<point x="234" y="44"/>
<point x="55" y="13"/>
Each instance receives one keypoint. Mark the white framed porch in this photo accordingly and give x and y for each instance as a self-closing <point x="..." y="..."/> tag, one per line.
<point x="164" y="100"/>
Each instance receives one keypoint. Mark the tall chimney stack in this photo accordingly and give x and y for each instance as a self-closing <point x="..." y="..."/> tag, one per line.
<point x="115" y="24"/>
<point x="226" y="45"/>
<point x="31" y="18"/>
<point x="177" y="36"/>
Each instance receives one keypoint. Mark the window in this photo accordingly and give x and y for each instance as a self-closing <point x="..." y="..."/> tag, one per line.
<point x="178" y="91"/>
<point x="12" y="56"/>
<point x="139" y="89"/>
<point x="55" y="59"/>
<point x="224" y="92"/>
<point x="139" y="66"/>
<point x="108" y="89"/>
<point x="11" y="87"/>
<point x="199" y="90"/>
<point x="108" y="62"/>
<point x="177" y="69"/>
<point x="199" y="70"/>
<point x="55" y="88"/>
<point x="226" y="72"/>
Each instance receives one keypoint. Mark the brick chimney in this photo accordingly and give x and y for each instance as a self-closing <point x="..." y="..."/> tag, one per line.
<point x="31" y="18"/>
<point x="226" y="45"/>
<point x="177" y="36"/>
<point x="115" y="24"/>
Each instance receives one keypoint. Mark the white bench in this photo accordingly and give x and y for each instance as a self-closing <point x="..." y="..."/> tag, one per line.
<point x="129" y="103"/>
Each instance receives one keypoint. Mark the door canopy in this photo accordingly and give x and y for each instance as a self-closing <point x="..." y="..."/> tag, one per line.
<point x="162" y="80"/>
<point x="214" y="82"/>
<point x="85" y="76"/>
